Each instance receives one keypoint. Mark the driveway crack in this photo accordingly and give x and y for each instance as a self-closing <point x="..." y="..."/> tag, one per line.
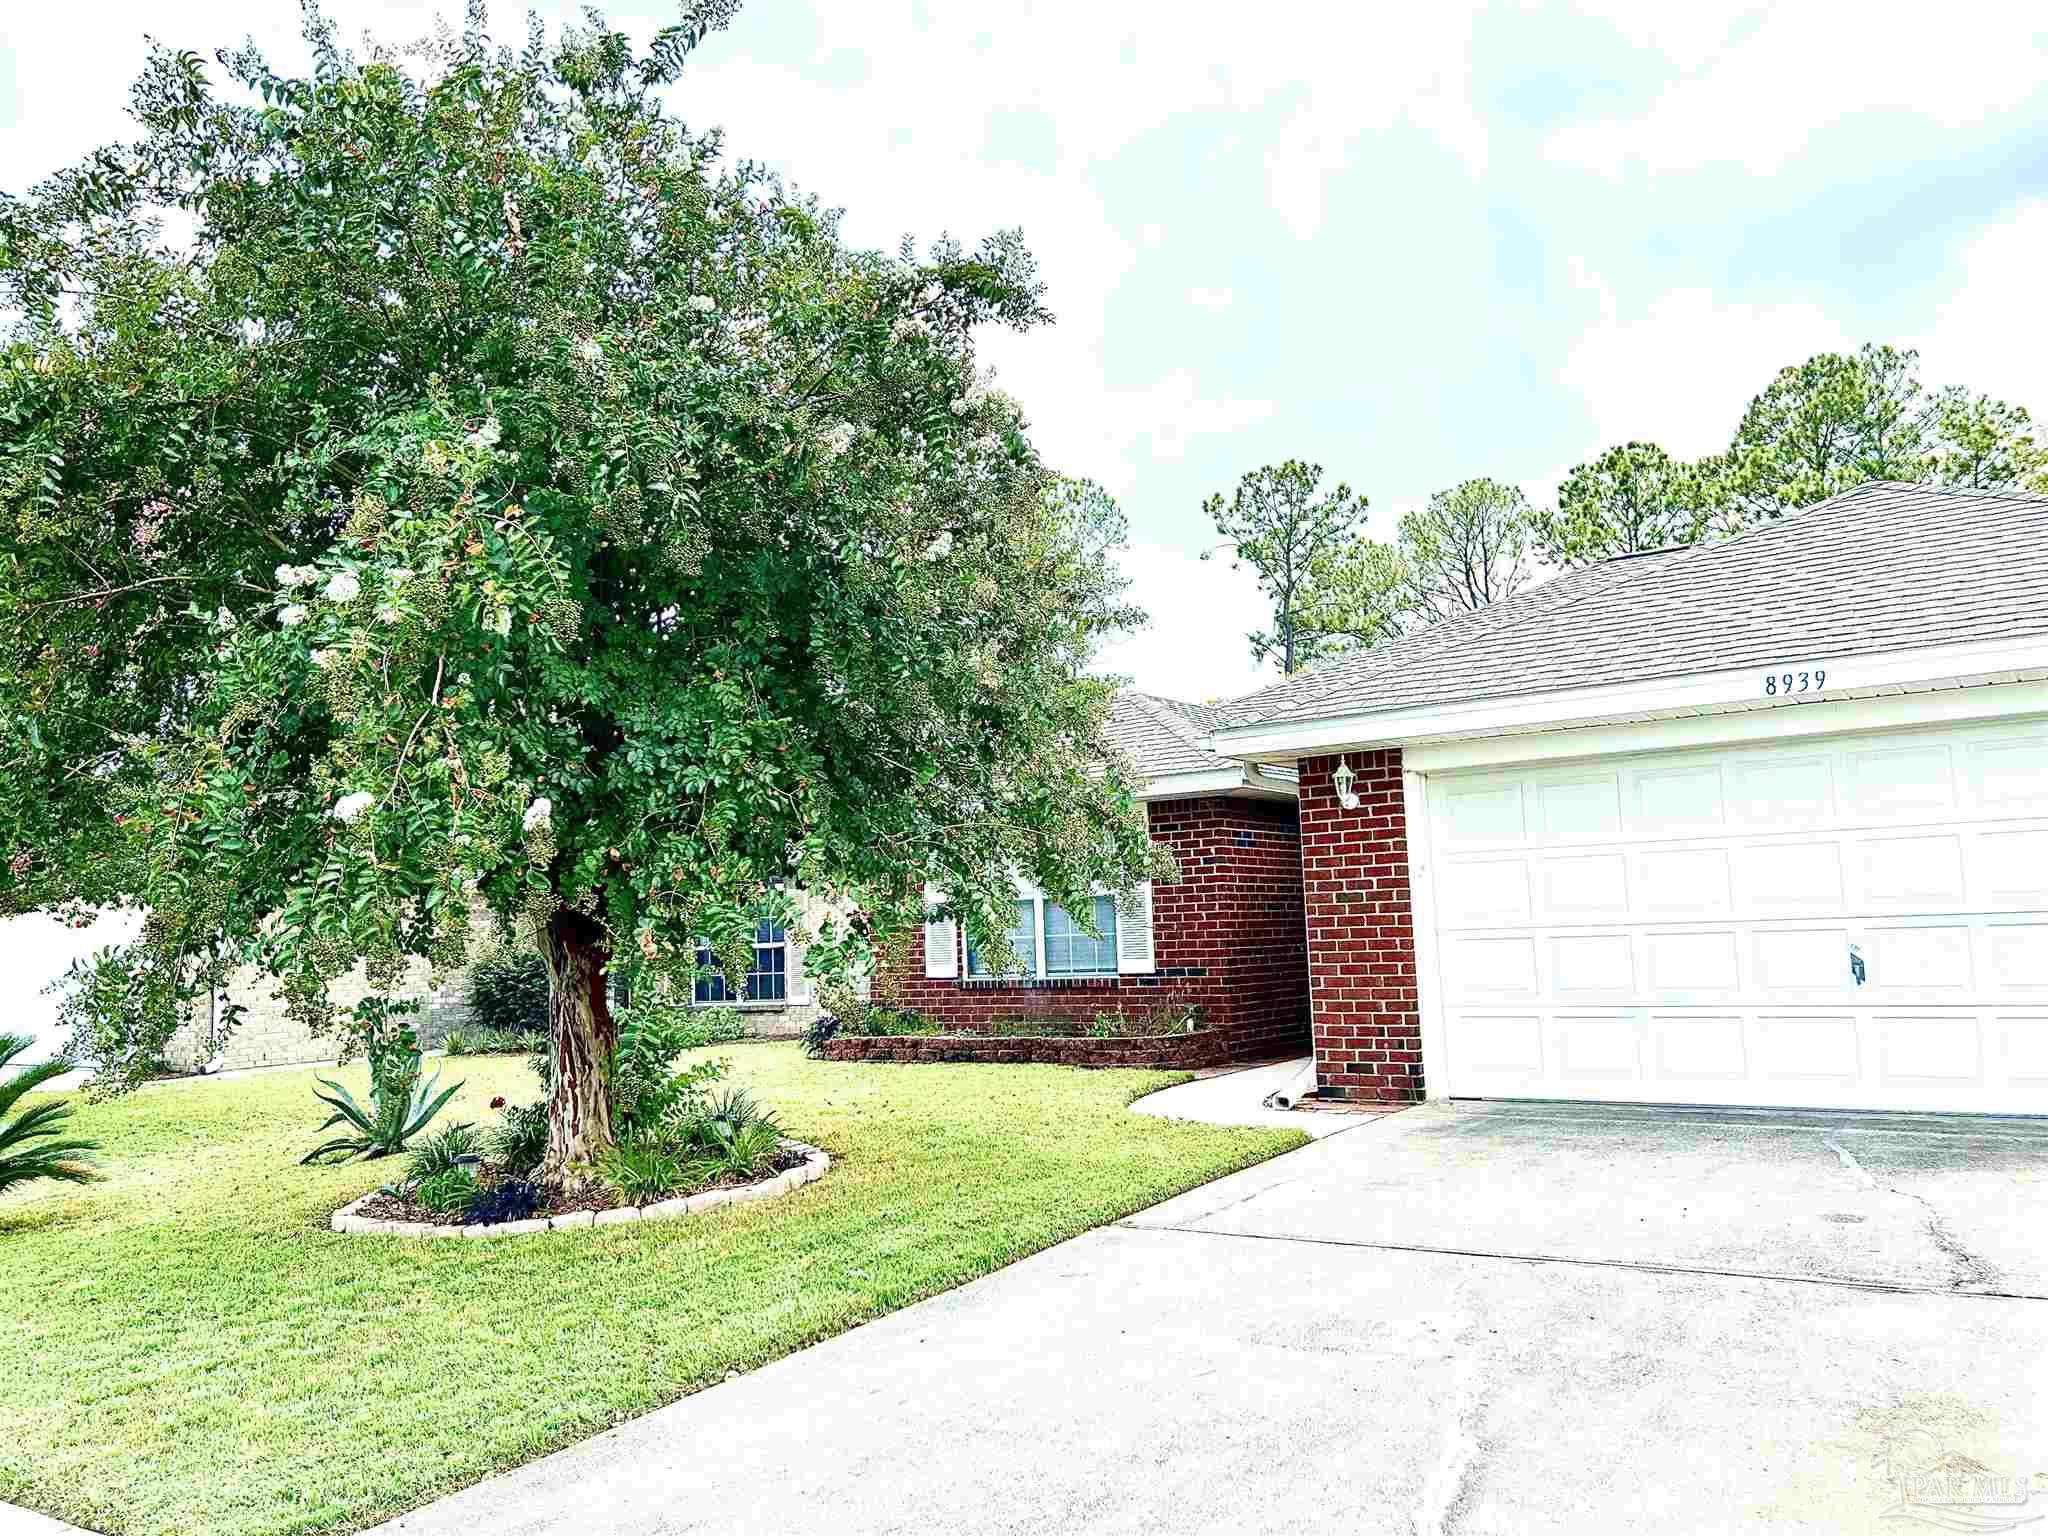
<point x="1968" y="1269"/>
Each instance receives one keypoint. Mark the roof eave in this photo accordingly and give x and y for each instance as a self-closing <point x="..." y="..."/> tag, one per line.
<point x="2023" y="659"/>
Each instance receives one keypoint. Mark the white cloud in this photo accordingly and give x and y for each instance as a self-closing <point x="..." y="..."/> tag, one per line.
<point x="1756" y="97"/>
<point x="1211" y="298"/>
<point x="1201" y="610"/>
<point x="1679" y="369"/>
<point x="1990" y="331"/>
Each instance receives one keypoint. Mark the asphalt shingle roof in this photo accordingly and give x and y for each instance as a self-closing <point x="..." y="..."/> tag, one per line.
<point x="1163" y="736"/>
<point x="1883" y="567"/>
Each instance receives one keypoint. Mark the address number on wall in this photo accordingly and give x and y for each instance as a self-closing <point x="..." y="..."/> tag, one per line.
<point x="1810" y="680"/>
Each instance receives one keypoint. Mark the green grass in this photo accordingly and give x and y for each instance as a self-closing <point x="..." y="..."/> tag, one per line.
<point x="189" y="1349"/>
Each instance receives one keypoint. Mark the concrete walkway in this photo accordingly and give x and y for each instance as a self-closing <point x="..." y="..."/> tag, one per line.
<point x="1237" y="1098"/>
<point x="1460" y="1318"/>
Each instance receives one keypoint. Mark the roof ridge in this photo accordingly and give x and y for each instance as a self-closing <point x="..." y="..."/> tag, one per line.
<point x="1159" y="707"/>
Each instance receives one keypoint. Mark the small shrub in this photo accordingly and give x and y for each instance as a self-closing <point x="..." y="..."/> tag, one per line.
<point x="20" y="1161"/>
<point x="740" y="1153"/>
<point x="819" y="1033"/>
<point x="520" y="1140"/>
<point x="459" y="1146"/>
<point x="400" y="1108"/>
<point x="642" y="1171"/>
<point x="451" y="1189"/>
<point x="513" y="1200"/>
<point x="508" y="993"/>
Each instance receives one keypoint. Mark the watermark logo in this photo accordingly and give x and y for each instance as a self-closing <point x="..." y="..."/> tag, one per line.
<point x="1949" y="1491"/>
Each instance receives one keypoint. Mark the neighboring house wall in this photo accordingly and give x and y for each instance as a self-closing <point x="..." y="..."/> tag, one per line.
<point x="268" y="1036"/>
<point x="1361" y="932"/>
<point x="1228" y="936"/>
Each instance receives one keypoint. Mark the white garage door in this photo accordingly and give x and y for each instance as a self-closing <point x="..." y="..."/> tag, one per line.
<point x="1855" y="921"/>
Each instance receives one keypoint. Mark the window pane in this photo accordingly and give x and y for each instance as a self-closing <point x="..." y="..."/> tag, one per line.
<point x="1069" y="951"/>
<point x="767" y="978"/>
<point x="1023" y="943"/>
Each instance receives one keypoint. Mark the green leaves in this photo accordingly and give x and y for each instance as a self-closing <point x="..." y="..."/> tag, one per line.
<point x="507" y="504"/>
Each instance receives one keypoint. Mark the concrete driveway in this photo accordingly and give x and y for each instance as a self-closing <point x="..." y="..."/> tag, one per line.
<point x="1474" y="1318"/>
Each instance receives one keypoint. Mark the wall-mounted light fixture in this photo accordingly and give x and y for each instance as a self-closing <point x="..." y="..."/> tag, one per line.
<point x="1341" y="781"/>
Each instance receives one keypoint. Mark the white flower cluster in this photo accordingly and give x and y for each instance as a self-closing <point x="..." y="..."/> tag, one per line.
<point x="941" y="546"/>
<point x="222" y="619"/>
<point x="539" y="814"/>
<point x="501" y="621"/>
<point x="291" y="613"/>
<point x="986" y="444"/>
<point x="289" y="576"/>
<point x="703" y="303"/>
<point x="835" y="440"/>
<point x="907" y="326"/>
<point x="321" y="659"/>
<point x="342" y="587"/>
<point x="590" y="351"/>
<point x="487" y="435"/>
<point x="349" y="809"/>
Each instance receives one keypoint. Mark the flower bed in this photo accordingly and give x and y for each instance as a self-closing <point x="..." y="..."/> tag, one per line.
<point x="1178" y="1052"/>
<point x="382" y="1214"/>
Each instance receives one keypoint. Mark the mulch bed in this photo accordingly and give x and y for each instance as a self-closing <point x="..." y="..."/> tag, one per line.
<point x="385" y="1206"/>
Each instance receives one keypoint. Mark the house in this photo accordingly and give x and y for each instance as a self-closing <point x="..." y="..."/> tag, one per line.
<point x="1226" y="939"/>
<point x="1758" y="822"/>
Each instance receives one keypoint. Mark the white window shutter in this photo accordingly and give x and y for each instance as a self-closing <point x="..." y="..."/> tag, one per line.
<point x="1134" y="931"/>
<point x="941" y="940"/>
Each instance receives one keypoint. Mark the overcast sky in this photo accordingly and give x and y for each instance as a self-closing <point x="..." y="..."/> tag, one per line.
<point x="1414" y="243"/>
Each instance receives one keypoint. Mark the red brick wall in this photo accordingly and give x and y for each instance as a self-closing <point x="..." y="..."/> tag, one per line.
<point x="1361" y="932"/>
<point x="1227" y="936"/>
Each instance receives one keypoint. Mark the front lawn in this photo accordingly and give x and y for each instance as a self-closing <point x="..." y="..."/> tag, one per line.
<point x="189" y="1349"/>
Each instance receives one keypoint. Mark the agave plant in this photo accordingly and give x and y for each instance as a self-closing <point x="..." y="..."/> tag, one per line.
<point x="20" y="1162"/>
<point x="400" y="1107"/>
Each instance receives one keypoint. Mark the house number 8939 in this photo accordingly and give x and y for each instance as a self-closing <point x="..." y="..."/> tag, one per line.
<point x="1811" y="681"/>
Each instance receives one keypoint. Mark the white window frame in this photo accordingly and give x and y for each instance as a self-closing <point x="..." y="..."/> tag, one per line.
<point x="743" y="1001"/>
<point x="1040" y="903"/>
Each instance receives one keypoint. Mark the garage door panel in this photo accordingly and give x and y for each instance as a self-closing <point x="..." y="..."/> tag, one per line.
<point x="1501" y="1048"/>
<point x="1924" y="958"/>
<point x="2017" y="956"/>
<point x="2009" y="777"/>
<point x="1684" y="883"/>
<point x="1687" y="926"/>
<point x="2023" y="1046"/>
<point x="1485" y="893"/>
<point x="1580" y="810"/>
<point x="1884" y="783"/>
<point x="1485" y="970"/>
<point x="1582" y="887"/>
<point x="1593" y="967"/>
<point x="1779" y="790"/>
<point x="1945" y="1048"/>
<point x="1805" y="962"/>
<point x="1794" y="1048"/>
<point x="1699" y="1049"/>
<point x="1778" y="878"/>
<point x="1483" y="812"/>
<point x="1678" y="802"/>
<point x="1920" y="873"/>
<point x="2012" y="868"/>
<point x="1683" y="966"/>
<point x="1596" y="1048"/>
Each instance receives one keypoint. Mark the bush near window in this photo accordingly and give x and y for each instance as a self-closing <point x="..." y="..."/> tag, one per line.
<point x="508" y="994"/>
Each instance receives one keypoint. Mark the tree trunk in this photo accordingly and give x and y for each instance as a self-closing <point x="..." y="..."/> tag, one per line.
<point x="581" y="1038"/>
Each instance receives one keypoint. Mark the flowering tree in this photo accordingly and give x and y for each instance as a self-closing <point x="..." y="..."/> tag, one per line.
<point x="504" y="501"/>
